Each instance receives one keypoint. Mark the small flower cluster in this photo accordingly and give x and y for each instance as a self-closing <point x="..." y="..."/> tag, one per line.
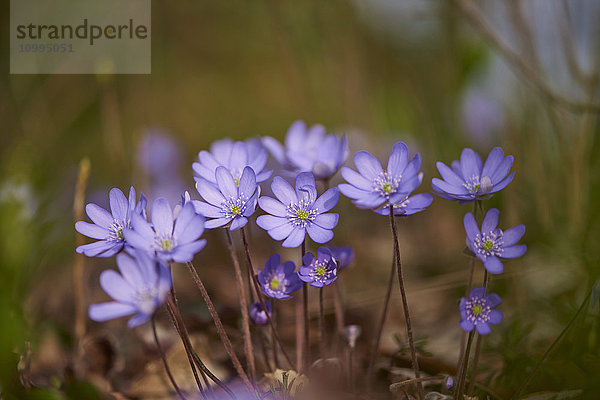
<point x="469" y="180"/>
<point x="228" y="180"/>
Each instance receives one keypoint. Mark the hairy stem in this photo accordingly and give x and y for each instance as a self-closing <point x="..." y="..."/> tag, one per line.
<point x="411" y="343"/>
<point x="261" y="300"/>
<point x="463" y="371"/>
<point x="244" y="308"/>
<point x="306" y="323"/>
<point x="220" y="329"/>
<point x="377" y="340"/>
<point x="165" y="363"/>
<point x="185" y="338"/>
<point x="321" y="325"/>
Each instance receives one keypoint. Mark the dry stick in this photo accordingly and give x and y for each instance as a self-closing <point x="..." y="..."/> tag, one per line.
<point x="164" y="360"/>
<point x="386" y="303"/>
<point x="79" y="266"/>
<point x="244" y="308"/>
<point x="261" y="300"/>
<point x="220" y="329"/>
<point x="477" y="344"/>
<point x="306" y="323"/>
<point x="181" y="328"/>
<point x="411" y="343"/>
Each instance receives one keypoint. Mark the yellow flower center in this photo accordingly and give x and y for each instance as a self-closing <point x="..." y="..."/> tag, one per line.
<point x="476" y="310"/>
<point x="166" y="244"/>
<point x="275" y="283"/>
<point x="388" y="188"/>
<point x="235" y="209"/>
<point x="320" y="271"/>
<point x="488" y="245"/>
<point x="302" y="214"/>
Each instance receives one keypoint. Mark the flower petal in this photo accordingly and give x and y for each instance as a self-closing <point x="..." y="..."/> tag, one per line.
<point x="367" y="165"/>
<point x="318" y="234"/>
<point x="490" y="222"/>
<point x="327" y="201"/>
<point x="272" y="206"/>
<point x="492" y="162"/>
<point x="111" y="310"/>
<point x="118" y="204"/>
<point x="247" y="183"/>
<point x="493" y="300"/>
<point x="466" y="325"/>
<point x="493" y="265"/>
<point x="512" y="235"/>
<point x="305" y="187"/>
<point x="91" y="230"/>
<point x="268" y="222"/>
<point x="116" y="287"/>
<point x="100" y="249"/>
<point x="496" y="317"/>
<point x="502" y="170"/>
<point x="398" y="159"/>
<point x="448" y="175"/>
<point x="477" y="293"/>
<point x="483" y="328"/>
<point x="226" y="183"/>
<point x="162" y="216"/>
<point x="216" y="223"/>
<point x="281" y="232"/>
<point x="471" y="227"/>
<point x="295" y="238"/>
<point x="208" y="210"/>
<point x="130" y="270"/>
<point x="134" y="239"/>
<point x="209" y="192"/>
<point x="470" y="163"/>
<point x="283" y="191"/>
<point x="356" y="179"/>
<point x="238" y="223"/>
<point x="327" y="221"/>
<point x="99" y="215"/>
<point x="514" y="251"/>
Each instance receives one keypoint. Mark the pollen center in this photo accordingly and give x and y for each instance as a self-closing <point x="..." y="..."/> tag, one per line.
<point x="302" y="214"/>
<point x="237" y="181"/>
<point x="488" y="245"/>
<point x="166" y="244"/>
<point x="236" y="209"/>
<point x="476" y="187"/>
<point x="388" y="188"/>
<point x="275" y="283"/>
<point x="476" y="310"/>
<point x="320" y="271"/>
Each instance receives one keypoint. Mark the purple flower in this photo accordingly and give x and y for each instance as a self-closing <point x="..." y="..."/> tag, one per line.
<point x="258" y="314"/>
<point x="235" y="156"/>
<point x="230" y="202"/>
<point x="477" y="311"/>
<point x="108" y="227"/>
<point x="318" y="271"/>
<point x="343" y="255"/>
<point x="470" y="180"/>
<point x="278" y="280"/>
<point x="372" y="187"/>
<point x="309" y="150"/>
<point x="491" y="243"/>
<point x="296" y="212"/>
<point x="140" y="288"/>
<point x="169" y="240"/>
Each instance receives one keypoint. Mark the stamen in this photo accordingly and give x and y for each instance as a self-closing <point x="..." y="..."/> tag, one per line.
<point x="300" y="214"/>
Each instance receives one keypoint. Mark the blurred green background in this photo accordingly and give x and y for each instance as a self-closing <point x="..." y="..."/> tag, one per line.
<point x="378" y="71"/>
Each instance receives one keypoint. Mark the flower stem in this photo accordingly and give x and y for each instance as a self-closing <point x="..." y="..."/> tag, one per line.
<point x="463" y="370"/>
<point x="244" y="308"/>
<point x="164" y="360"/>
<point x="377" y="340"/>
<point x="321" y="325"/>
<point x="220" y="329"/>
<point x="411" y="343"/>
<point x="261" y="300"/>
<point x="306" y="323"/>
<point x="273" y="340"/>
<point x="477" y="344"/>
<point x="338" y="306"/>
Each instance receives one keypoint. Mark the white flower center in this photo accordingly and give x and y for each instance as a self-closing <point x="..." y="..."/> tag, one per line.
<point x="385" y="184"/>
<point x="489" y="244"/>
<point x="300" y="214"/>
